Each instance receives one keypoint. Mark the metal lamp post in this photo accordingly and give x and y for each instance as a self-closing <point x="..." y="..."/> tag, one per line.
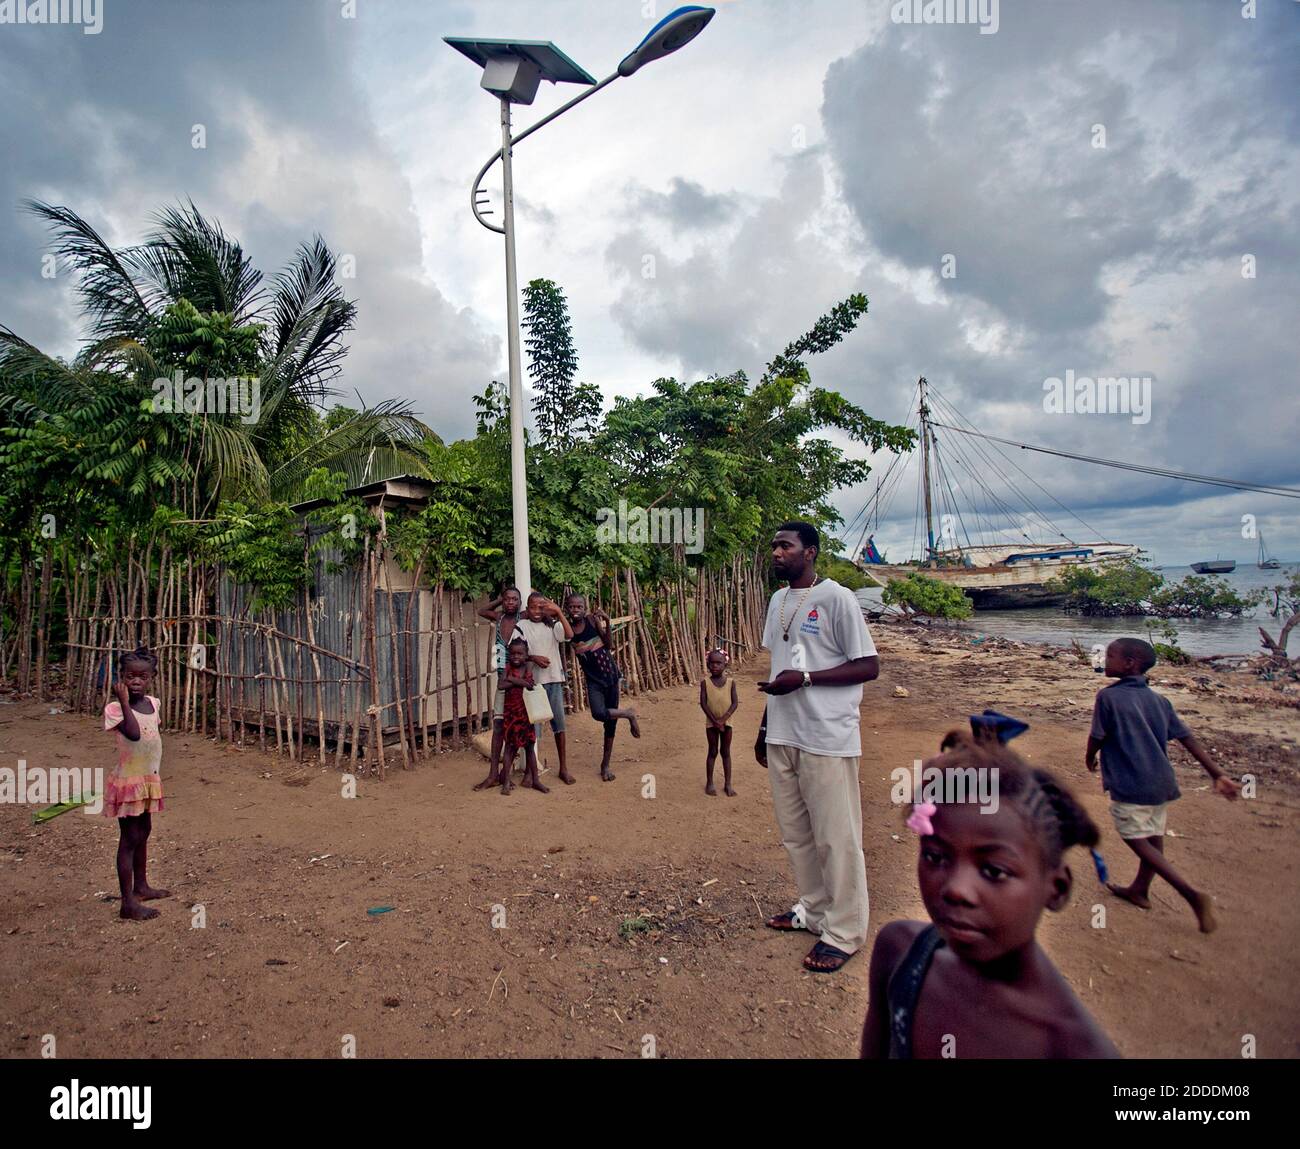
<point x="512" y="71"/>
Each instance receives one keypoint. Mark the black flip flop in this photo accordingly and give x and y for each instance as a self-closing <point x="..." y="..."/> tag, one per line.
<point x="824" y="952"/>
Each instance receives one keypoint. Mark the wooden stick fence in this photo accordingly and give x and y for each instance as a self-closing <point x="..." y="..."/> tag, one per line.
<point x="352" y="672"/>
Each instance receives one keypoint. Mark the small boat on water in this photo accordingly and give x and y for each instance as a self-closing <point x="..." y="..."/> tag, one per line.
<point x="1266" y="561"/>
<point x="1215" y="566"/>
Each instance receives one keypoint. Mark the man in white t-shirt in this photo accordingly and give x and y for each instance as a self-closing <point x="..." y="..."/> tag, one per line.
<point x="544" y="627"/>
<point x="809" y="739"/>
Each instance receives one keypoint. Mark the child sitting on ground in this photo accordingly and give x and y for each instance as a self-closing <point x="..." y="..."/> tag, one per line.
<point x="975" y="983"/>
<point x="1131" y="726"/>
<point x="519" y="730"/>
<point x="718" y="701"/>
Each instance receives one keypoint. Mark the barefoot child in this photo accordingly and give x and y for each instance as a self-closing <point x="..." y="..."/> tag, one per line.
<point x="518" y="727"/>
<point x="975" y="983"/>
<point x="718" y="701"/>
<point x="544" y="629"/>
<point x="592" y="643"/>
<point x="1131" y="726"/>
<point x="503" y="613"/>
<point x="134" y="790"/>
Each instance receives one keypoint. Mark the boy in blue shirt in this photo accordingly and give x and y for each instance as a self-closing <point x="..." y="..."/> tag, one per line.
<point x="1131" y="726"/>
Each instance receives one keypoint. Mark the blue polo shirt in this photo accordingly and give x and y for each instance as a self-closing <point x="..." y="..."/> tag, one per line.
<point x="1134" y="724"/>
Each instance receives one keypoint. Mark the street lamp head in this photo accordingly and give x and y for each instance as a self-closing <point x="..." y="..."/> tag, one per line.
<point x="679" y="27"/>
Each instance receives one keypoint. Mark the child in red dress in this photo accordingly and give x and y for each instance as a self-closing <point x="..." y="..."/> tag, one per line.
<point x="519" y="729"/>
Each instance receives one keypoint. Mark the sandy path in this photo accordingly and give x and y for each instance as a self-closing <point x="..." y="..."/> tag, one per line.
<point x="290" y="962"/>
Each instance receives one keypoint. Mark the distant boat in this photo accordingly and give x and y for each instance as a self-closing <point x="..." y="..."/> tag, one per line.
<point x="1266" y="561"/>
<point x="1010" y="574"/>
<point x="1215" y="566"/>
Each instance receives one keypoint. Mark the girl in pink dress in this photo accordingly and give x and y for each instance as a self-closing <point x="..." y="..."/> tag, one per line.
<point x="134" y="790"/>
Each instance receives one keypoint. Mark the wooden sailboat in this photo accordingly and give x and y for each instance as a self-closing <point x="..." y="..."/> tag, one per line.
<point x="1266" y="561"/>
<point x="995" y="576"/>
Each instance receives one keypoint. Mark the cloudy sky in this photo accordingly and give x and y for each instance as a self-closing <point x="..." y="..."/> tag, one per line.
<point x="1078" y="190"/>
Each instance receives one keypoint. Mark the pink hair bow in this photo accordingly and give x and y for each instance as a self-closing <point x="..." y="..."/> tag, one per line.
<point x="919" y="819"/>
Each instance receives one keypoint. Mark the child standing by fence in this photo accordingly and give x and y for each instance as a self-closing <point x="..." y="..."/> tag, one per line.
<point x="591" y="642"/>
<point x="718" y="701"/>
<point x="503" y="613"/>
<point x="518" y="727"/>
<point x="133" y="792"/>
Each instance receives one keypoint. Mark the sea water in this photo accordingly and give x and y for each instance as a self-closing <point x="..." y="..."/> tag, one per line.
<point x="1197" y="636"/>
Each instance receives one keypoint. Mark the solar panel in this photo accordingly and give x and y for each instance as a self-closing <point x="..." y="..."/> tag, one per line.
<point x="553" y="64"/>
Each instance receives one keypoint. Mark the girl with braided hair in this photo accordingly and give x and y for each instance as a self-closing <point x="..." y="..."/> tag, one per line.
<point x="974" y="982"/>
<point x="133" y="792"/>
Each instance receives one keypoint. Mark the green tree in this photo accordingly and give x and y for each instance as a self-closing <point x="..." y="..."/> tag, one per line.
<point x="842" y="571"/>
<point x="1199" y="597"/>
<point x="931" y="597"/>
<point x="1287" y="611"/>
<point x="1117" y="589"/>
<point x="563" y="410"/>
<point x="188" y="299"/>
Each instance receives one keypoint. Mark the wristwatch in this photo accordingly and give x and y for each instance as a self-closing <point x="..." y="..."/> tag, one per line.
<point x="807" y="678"/>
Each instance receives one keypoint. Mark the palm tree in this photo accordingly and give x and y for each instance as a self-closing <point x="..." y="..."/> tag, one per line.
<point x="188" y="299"/>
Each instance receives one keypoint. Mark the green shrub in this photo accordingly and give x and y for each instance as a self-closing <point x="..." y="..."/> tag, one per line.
<point x="919" y="594"/>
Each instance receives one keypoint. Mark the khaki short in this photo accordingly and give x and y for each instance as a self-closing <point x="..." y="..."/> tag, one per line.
<point x="1139" y="821"/>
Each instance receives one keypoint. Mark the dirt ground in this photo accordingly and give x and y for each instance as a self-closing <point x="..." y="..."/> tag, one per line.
<point x="627" y="918"/>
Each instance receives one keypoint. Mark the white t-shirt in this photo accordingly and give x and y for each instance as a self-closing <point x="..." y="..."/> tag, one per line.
<point x="827" y="631"/>
<point x="543" y="638"/>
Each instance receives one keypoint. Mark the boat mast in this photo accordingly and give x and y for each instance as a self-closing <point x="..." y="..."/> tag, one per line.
<point x="925" y="468"/>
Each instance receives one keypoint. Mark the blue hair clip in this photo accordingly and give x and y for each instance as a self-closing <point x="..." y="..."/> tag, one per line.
<point x="1001" y="726"/>
<point x="1100" y="863"/>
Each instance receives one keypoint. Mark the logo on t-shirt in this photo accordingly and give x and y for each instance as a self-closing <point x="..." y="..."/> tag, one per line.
<point x="810" y="625"/>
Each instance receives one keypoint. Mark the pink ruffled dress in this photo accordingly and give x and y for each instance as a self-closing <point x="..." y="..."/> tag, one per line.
<point x="135" y="787"/>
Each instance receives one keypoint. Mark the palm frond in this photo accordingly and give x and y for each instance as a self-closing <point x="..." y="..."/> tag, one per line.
<point x="191" y="257"/>
<point x="109" y="295"/>
<point x="387" y="427"/>
<point x="310" y="314"/>
<point x="230" y="457"/>
<point x="36" y="383"/>
<point x="365" y="465"/>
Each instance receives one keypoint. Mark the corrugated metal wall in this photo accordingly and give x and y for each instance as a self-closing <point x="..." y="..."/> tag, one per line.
<point x="338" y="626"/>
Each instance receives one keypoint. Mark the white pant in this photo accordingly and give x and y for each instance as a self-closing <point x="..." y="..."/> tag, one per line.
<point x="819" y="812"/>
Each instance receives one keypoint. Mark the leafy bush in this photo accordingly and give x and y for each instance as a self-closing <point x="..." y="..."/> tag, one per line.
<point x="1168" y="651"/>
<point x="1122" y="588"/>
<point x="842" y="571"/>
<point x="1200" y="597"/>
<point x="919" y="594"/>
